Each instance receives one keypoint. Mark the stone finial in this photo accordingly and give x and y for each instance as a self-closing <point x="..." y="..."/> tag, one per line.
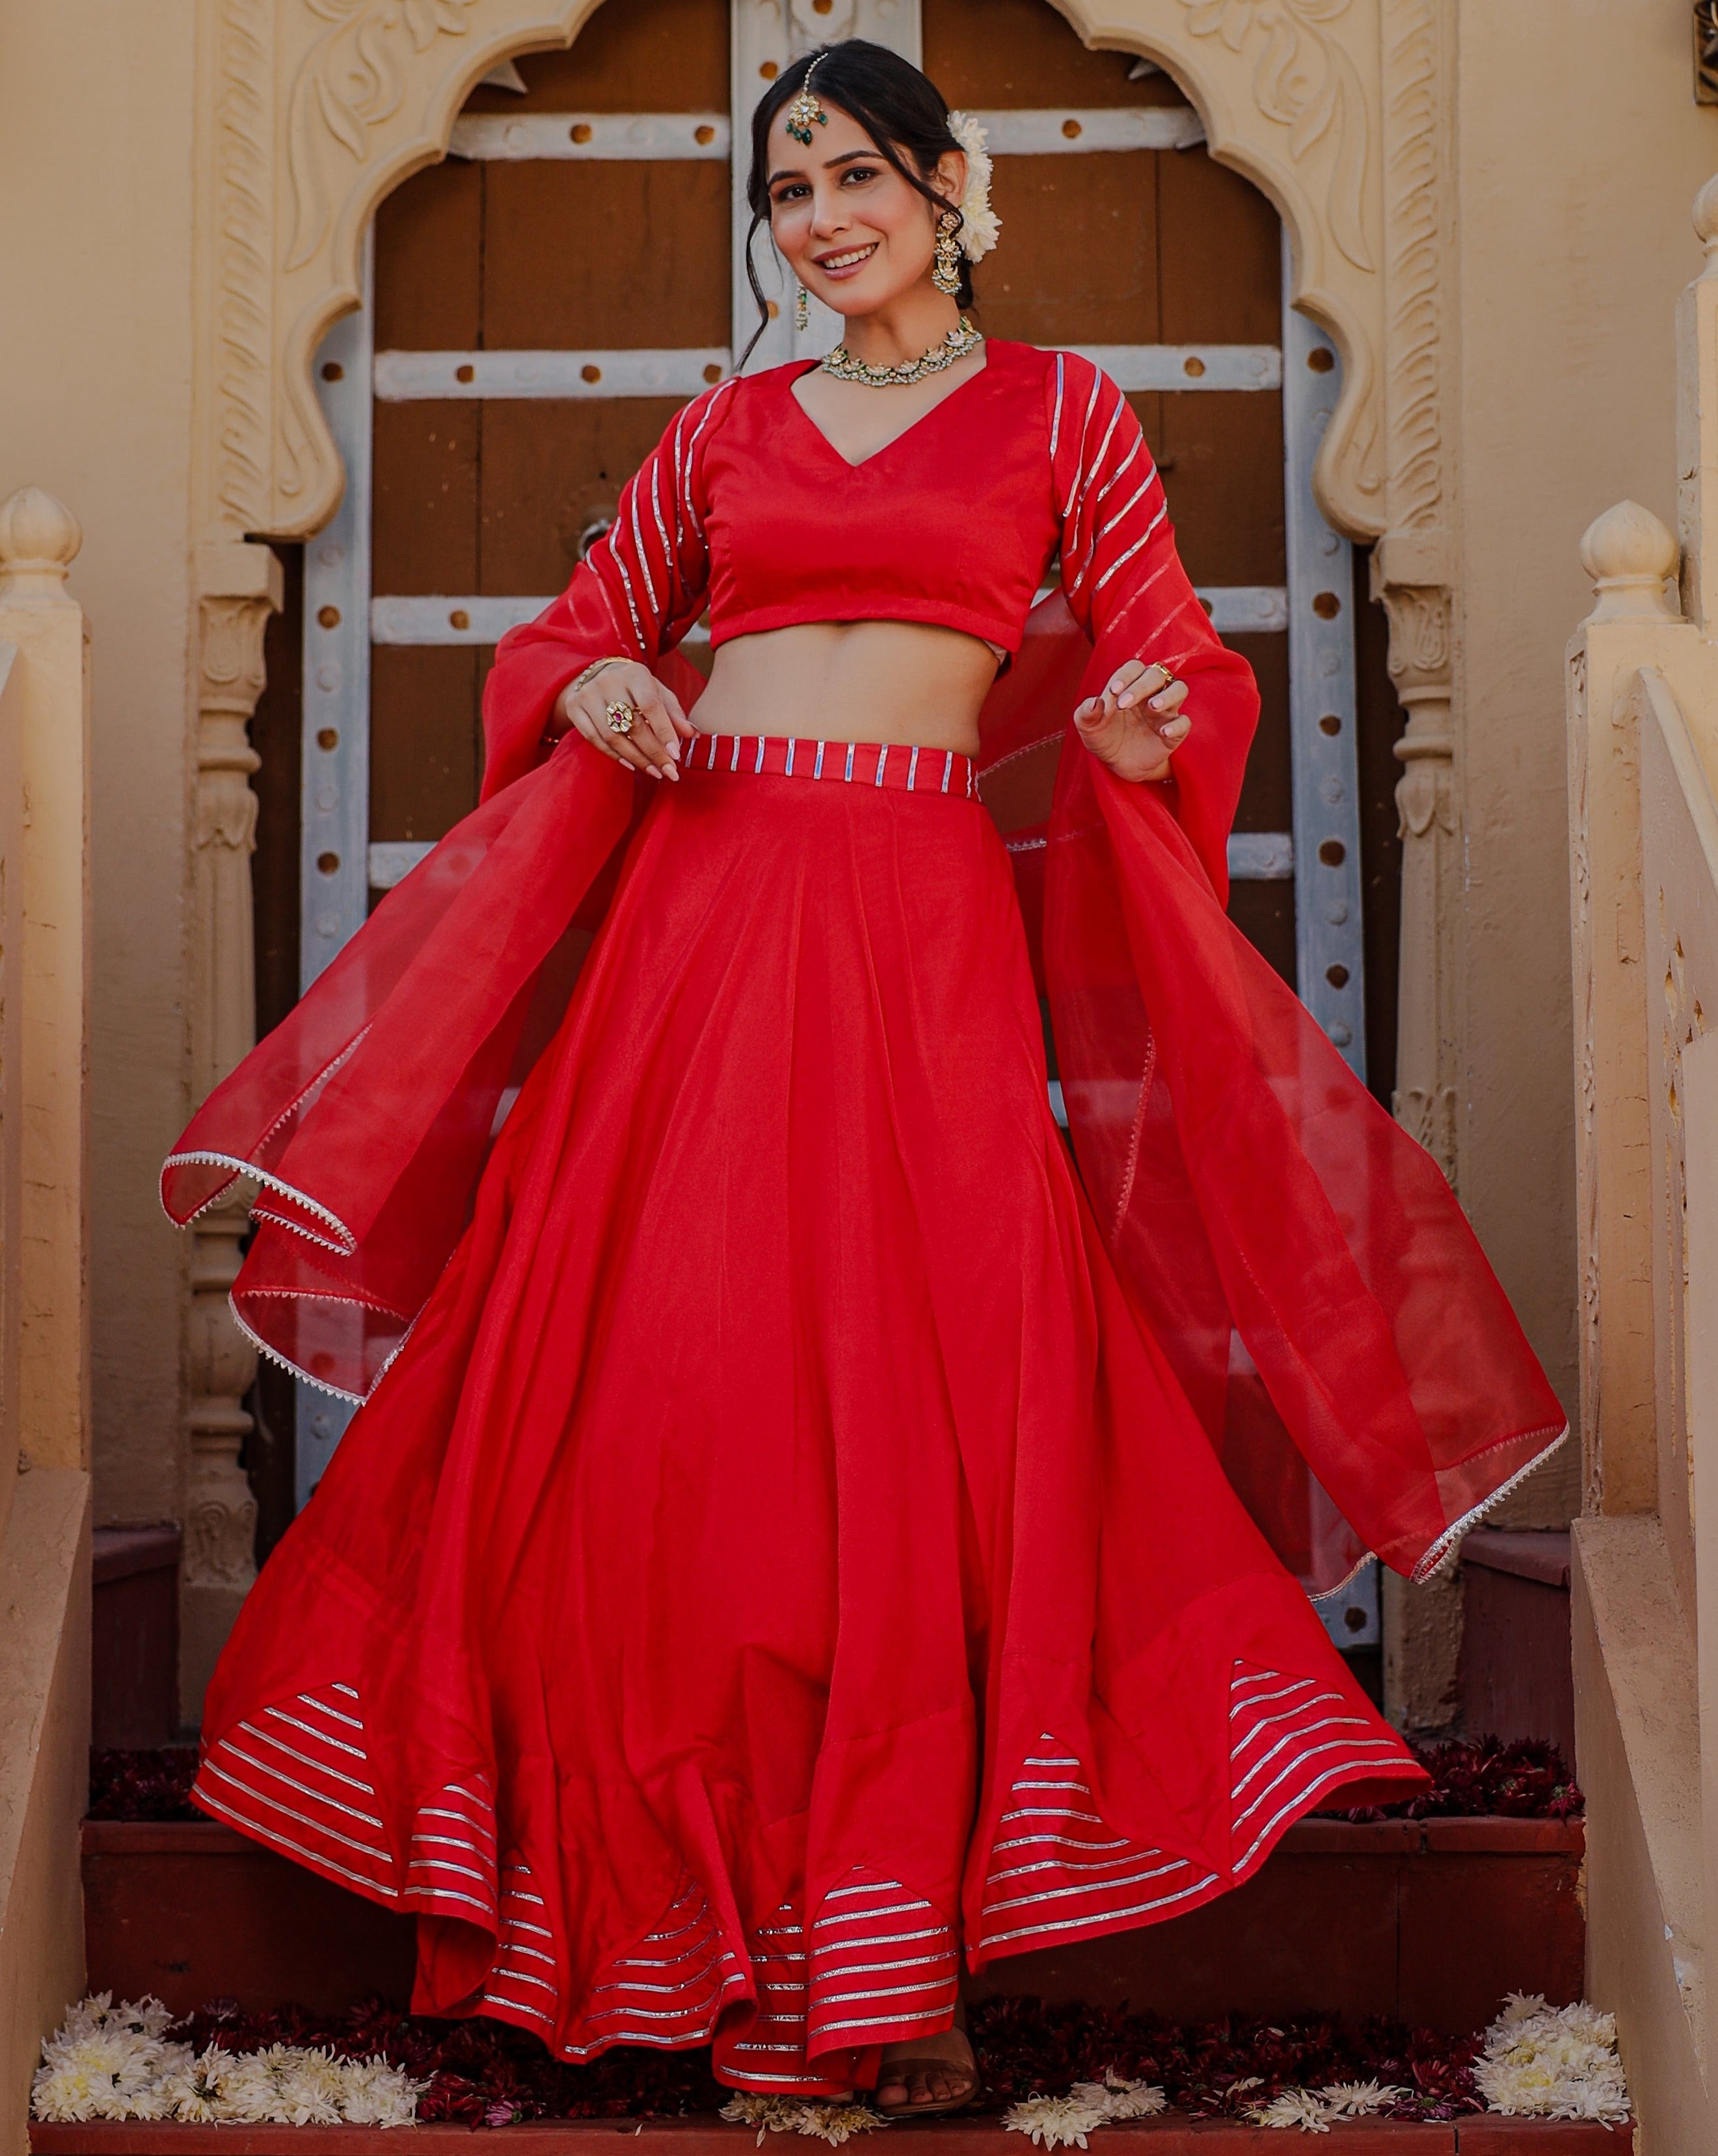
<point x="1705" y="214"/>
<point x="39" y="538"/>
<point x="1629" y="554"/>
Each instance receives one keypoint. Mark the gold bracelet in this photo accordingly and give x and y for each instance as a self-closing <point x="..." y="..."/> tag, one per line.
<point x="595" y="668"/>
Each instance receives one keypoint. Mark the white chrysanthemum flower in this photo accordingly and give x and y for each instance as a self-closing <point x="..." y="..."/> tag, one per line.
<point x="84" y="2019"/>
<point x="1295" y="2107"/>
<point x="769" y="2114"/>
<point x="65" y="2094"/>
<point x="193" y="2092"/>
<point x="836" y="2122"/>
<point x="746" y="2109"/>
<point x="375" y="2093"/>
<point x="1360" y="2099"/>
<point x="145" y="2017"/>
<point x="1552" y="2062"/>
<point x="300" y="2087"/>
<point x="981" y="227"/>
<point x="833" y="2123"/>
<point x="236" y="2091"/>
<point x="250" y="2087"/>
<point x="1118" y="2099"/>
<point x="1055" y="2122"/>
<point x="112" y="2062"/>
<point x="150" y="2100"/>
<point x="1518" y="2006"/>
<point x="105" y="2052"/>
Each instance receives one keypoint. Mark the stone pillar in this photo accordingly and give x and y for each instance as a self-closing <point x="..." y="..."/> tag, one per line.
<point x="240" y="589"/>
<point x="1428" y="1035"/>
<point x="1423" y="1625"/>
<point x="44" y="1040"/>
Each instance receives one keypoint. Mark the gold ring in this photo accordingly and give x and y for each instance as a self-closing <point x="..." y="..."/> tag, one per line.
<point x="1169" y="681"/>
<point x="622" y="716"/>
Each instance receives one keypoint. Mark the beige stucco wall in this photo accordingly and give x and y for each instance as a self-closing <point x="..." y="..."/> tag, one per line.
<point x="1579" y="151"/>
<point x="97" y="121"/>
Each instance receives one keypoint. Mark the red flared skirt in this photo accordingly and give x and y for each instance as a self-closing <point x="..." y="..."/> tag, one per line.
<point x="778" y="1565"/>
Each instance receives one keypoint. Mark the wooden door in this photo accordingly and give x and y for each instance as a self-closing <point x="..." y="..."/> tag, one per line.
<point x="542" y="300"/>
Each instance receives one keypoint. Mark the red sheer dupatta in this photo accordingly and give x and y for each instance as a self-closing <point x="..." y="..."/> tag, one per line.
<point x="1306" y="1268"/>
<point x="368" y="1114"/>
<point x="1302" y="1260"/>
<point x="1304" y="1265"/>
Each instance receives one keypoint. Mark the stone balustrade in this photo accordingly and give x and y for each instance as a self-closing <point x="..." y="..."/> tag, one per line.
<point x="44" y="1317"/>
<point x="1643" y="704"/>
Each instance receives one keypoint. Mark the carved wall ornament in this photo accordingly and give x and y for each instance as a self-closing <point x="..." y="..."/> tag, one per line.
<point x="1705" y="52"/>
<point x="1419" y="616"/>
<point x="243" y="132"/>
<point x="350" y="81"/>
<point x="231" y="680"/>
<point x="217" y="1543"/>
<point x="1415" y="211"/>
<point x="1305" y="80"/>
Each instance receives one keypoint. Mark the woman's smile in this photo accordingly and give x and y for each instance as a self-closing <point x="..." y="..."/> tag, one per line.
<point x="845" y="263"/>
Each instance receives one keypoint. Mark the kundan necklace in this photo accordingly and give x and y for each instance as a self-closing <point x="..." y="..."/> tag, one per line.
<point x="960" y="339"/>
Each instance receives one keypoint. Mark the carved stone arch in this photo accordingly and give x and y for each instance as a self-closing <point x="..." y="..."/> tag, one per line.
<point x="1334" y="108"/>
<point x="1288" y="90"/>
<point x="319" y="108"/>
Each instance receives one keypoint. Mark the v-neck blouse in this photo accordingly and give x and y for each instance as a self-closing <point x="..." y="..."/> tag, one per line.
<point x="953" y="522"/>
<point x="747" y="508"/>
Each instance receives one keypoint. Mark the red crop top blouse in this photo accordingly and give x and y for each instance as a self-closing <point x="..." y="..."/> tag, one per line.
<point x="745" y="507"/>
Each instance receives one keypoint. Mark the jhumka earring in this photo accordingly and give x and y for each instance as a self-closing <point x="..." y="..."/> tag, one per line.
<point x="946" y="271"/>
<point x="802" y="309"/>
<point x="804" y="111"/>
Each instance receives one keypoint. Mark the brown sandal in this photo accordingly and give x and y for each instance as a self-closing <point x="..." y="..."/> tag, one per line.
<point x="915" y="2061"/>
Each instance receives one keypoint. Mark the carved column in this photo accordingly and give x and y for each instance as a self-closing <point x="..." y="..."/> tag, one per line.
<point x="241" y="587"/>
<point x="1428" y="1036"/>
<point x="1413" y="567"/>
<point x="1423" y="1625"/>
<point x="1414" y="572"/>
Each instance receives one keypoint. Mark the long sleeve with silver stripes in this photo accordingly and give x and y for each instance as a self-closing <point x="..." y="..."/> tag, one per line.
<point x="634" y="596"/>
<point x="1124" y="583"/>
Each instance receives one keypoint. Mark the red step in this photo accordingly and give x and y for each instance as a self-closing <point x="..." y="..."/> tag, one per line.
<point x="1472" y="2135"/>
<point x="1428" y="1922"/>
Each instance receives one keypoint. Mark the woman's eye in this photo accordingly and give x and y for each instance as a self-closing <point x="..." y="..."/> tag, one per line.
<point x="795" y="191"/>
<point x="859" y="172"/>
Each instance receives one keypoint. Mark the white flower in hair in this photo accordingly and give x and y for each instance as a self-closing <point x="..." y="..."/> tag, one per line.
<point x="981" y="226"/>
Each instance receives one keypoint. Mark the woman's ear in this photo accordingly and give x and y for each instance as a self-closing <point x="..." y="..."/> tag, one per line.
<point x="950" y="177"/>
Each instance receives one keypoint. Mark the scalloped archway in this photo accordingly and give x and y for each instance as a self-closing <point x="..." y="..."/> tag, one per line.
<point x="316" y="109"/>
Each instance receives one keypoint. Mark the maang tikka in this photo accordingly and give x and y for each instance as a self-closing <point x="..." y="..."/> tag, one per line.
<point x="805" y="112"/>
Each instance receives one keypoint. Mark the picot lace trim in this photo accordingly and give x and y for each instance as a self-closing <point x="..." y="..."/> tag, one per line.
<point x="1441" y="1557"/>
<point x="286" y="1363"/>
<point x="241" y="1166"/>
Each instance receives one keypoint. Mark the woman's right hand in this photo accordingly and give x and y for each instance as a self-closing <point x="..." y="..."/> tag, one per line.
<point x="653" y="744"/>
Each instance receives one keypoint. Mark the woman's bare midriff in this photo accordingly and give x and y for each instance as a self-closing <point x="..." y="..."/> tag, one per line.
<point x="862" y="681"/>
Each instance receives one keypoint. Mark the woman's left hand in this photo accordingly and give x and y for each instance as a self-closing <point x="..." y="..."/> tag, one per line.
<point x="1137" y="724"/>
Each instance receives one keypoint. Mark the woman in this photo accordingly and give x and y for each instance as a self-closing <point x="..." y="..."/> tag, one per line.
<point x="799" y="1543"/>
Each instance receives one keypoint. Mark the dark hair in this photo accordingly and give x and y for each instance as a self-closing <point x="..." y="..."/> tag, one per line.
<point x="900" y="108"/>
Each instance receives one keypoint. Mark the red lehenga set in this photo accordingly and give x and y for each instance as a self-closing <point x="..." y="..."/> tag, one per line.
<point x="805" y="1528"/>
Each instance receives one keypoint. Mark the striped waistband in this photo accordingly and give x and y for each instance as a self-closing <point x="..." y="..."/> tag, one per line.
<point x="904" y="765"/>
